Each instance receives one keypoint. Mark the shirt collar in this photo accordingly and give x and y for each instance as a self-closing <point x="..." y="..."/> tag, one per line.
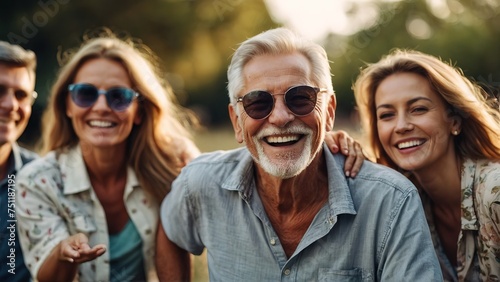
<point x="14" y="162"/>
<point x="241" y="179"/>
<point x="339" y="195"/>
<point x="75" y="175"/>
<point x="18" y="162"/>
<point x="73" y="171"/>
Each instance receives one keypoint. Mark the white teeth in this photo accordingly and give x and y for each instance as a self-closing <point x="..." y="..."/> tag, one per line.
<point x="100" y="123"/>
<point x="282" y="139"/>
<point x="409" y="144"/>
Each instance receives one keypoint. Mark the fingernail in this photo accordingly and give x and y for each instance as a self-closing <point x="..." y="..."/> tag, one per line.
<point x="347" y="173"/>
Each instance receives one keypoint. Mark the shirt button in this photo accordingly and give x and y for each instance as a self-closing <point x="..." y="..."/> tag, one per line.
<point x="331" y="220"/>
<point x="287" y="272"/>
<point x="273" y="242"/>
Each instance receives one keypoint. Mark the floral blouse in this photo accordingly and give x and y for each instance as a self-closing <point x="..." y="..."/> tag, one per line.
<point x="478" y="253"/>
<point x="55" y="199"/>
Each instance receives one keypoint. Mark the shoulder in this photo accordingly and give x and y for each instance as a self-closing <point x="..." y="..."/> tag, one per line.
<point x="224" y="169"/>
<point x="27" y="155"/>
<point x="383" y="188"/>
<point x="485" y="176"/>
<point x="45" y="165"/>
<point x="487" y="168"/>
<point x="377" y="177"/>
<point x="481" y="172"/>
<point x="217" y="161"/>
<point x="220" y="157"/>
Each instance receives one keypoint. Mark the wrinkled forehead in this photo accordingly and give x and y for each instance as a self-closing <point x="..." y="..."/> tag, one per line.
<point x="276" y="72"/>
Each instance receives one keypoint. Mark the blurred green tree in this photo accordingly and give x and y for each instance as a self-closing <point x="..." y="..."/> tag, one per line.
<point x="464" y="33"/>
<point x="193" y="39"/>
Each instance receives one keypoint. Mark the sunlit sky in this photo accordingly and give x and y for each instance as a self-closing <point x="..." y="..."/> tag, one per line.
<point x="316" y="18"/>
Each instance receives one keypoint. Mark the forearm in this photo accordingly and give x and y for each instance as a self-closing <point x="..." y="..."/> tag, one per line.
<point x="172" y="262"/>
<point x="56" y="269"/>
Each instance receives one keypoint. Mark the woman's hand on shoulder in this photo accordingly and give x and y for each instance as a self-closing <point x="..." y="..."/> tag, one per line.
<point x="340" y="141"/>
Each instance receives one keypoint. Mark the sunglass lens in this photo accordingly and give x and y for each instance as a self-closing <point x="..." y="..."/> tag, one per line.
<point x="301" y="100"/>
<point x="258" y="104"/>
<point x="84" y="95"/>
<point x="119" y="98"/>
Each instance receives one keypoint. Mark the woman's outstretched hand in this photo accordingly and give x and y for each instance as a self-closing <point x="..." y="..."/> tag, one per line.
<point x="76" y="249"/>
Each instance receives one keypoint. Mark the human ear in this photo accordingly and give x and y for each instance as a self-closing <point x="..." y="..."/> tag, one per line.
<point x="330" y="117"/>
<point x="456" y="125"/>
<point x="238" y="130"/>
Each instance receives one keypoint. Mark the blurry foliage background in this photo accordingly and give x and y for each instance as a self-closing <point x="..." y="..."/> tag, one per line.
<point x="195" y="40"/>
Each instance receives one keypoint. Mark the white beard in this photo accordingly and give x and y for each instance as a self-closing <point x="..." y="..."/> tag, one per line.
<point x="284" y="165"/>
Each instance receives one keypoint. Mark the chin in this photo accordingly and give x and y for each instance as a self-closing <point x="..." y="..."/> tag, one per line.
<point x="103" y="143"/>
<point x="408" y="167"/>
<point x="284" y="168"/>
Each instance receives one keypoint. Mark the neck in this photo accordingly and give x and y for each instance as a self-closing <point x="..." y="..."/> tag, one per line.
<point x="292" y="204"/>
<point x="105" y="165"/>
<point x="442" y="184"/>
<point x="297" y="193"/>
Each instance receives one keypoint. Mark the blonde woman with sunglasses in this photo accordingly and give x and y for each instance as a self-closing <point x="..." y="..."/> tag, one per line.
<point x="114" y="139"/>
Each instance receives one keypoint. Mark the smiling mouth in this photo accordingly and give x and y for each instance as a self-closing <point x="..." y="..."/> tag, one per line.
<point x="410" y="144"/>
<point x="282" y="140"/>
<point x="101" y="123"/>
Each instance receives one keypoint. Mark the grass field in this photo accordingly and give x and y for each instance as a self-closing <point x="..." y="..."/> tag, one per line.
<point x="216" y="138"/>
<point x="222" y="137"/>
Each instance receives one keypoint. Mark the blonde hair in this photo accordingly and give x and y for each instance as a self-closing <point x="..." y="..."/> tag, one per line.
<point x="154" y="147"/>
<point x="480" y="125"/>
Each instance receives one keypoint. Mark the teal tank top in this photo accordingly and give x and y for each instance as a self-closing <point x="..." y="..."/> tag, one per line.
<point x="126" y="258"/>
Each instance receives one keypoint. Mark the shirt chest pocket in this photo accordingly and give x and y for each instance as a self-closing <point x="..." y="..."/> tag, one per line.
<point x="351" y="275"/>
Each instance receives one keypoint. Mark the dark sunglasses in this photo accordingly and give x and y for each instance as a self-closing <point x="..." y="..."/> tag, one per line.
<point x="301" y="100"/>
<point x="118" y="98"/>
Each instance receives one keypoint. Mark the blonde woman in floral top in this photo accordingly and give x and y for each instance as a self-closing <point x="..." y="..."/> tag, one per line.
<point x="424" y="118"/>
<point x="88" y="210"/>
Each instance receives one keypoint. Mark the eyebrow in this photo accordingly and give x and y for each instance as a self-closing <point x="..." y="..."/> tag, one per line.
<point x="411" y="101"/>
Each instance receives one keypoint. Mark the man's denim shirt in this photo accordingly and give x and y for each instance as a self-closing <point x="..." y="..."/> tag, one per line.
<point x="12" y="267"/>
<point x="372" y="229"/>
